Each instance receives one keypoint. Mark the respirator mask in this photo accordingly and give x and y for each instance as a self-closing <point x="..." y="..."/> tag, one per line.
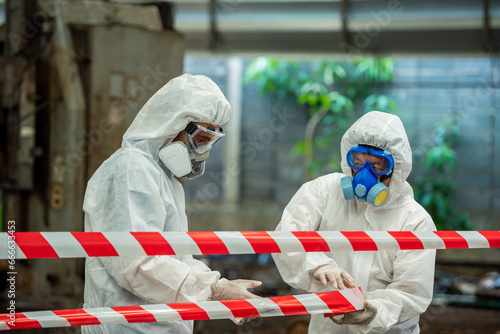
<point x="188" y="158"/>
<point x="365" y="185"/>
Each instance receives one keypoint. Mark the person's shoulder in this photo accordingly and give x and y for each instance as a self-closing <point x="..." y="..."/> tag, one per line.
<point x="135" y="162"/>
<point x="417" y="217"/>
<point x="125" y="162"/>
<point x="331" y="178"/>
<point x="325" y="185"/>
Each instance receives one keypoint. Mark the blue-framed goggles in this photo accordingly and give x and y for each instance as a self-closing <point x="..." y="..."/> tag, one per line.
<point x="377" y="160"/>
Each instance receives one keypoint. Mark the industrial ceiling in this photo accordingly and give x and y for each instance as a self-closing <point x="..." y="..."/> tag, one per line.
<point x="333" y="26"/>
<point x="354" y="26"/>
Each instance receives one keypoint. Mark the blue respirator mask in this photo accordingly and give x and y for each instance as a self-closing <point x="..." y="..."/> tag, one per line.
<point x="370" y="162"/>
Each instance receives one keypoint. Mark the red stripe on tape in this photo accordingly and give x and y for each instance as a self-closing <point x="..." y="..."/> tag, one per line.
<point x="209" y="242"/>
<point x="289" y="305"/>
<point x="336" y="302"/>
<point x="78" y="317"/>
<point x="360" y="241"/>
<point x="20" y="321"/>
<point x="5" y="318"/>
<point x="312" y="241"/>
<point x="189" y="311"/>
<point x="452" y="239"/>
<point x="493" y="238"/>
<point x="407" y="240"/>
<point x="134" y="313"/>
<point x="261" y="242"/>
<point x="153" y="243"/>
<point x="241" y="308"/>
<point x="34" y="245"/>
<point x="95" y="243"/>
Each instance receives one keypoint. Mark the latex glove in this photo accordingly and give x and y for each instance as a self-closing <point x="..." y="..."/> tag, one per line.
<point x="338" y="278"/>
<point x="235" y="289"/>
<point x="361" y="317"/>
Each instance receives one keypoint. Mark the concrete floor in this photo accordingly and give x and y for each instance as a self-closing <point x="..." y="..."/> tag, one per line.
<point x="459" y="320"/>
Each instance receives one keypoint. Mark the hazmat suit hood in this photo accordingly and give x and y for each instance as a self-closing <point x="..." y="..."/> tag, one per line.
<point x="385" y="131"/>
<point x="184" y="99"/>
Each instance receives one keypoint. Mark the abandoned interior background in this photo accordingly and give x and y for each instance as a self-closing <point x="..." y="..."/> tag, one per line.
<point x="74" y="73"/>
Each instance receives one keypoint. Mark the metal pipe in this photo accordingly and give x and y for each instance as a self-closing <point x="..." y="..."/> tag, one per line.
<point x="486" y="26"/>
<point x="214" y="35"/>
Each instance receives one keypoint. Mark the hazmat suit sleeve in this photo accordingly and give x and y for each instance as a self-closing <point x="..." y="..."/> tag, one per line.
<point x="132" y="200"/>
<point x="303" y="213"/>
<point x="410" y="291"/>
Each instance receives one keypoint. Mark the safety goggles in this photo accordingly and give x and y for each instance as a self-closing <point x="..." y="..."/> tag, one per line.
<point x="378" y="161"/>
<point x="203" y="138"/>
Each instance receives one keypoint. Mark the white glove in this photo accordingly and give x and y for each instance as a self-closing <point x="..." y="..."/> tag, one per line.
<point x="361" y="317"/>
<point x="235" y="289"/>
<point x="338" y="278"/>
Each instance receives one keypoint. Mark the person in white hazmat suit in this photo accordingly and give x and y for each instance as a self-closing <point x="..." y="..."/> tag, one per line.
<point x="136" y="190"/>
<point x="397" y="285"/>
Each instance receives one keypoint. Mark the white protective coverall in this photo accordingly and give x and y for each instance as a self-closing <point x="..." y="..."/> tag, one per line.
<point x="133" y="191"/>
<point x="398" y="283"/>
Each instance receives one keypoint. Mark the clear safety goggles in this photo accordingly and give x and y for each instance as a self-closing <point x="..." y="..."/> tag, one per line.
<point x="378" y="161"/>
<point x="203" y="138"/>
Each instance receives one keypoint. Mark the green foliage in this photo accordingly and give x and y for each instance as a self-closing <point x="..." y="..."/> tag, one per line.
<point x="331" y="90"/>
<point x="434" y="188"/>
<point x="373" y="70"/>
<point x="379" y="102"/>
<point x="281" y="78"/>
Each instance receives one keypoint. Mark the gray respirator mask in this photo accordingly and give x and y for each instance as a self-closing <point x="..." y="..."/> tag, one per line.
<point x="188" y="158"/>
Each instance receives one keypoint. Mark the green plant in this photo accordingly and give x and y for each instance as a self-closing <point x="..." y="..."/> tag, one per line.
<point x="330" y="90"/>
<point x="281" y="78"/>
<point x="435" y="186"/>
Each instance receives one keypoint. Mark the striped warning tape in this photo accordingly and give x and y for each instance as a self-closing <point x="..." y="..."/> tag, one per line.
<point x="334" y="302"/>
<point x="31" y="245"/>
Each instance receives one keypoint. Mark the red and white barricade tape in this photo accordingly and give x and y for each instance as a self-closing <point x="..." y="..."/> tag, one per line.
<point x="31" y="245"/>
<point x="330" y="303"/>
